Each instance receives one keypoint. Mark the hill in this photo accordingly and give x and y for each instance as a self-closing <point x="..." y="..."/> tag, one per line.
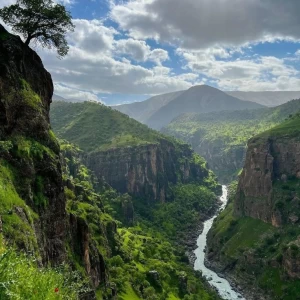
<point x="94" y="126"/>
<point x="221" y="137"/>
<point x="267" y="98"/>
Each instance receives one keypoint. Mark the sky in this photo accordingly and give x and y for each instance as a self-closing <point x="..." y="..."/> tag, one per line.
<point x="125" y="51"/>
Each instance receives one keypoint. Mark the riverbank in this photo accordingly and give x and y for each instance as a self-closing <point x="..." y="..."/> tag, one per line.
<point x="197" y="257"/>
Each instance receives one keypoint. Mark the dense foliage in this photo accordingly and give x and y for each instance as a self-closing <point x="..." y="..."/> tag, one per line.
<point x="192" y="203"/>
<point x="42" y="20"/>
<point x="143" y="262"/>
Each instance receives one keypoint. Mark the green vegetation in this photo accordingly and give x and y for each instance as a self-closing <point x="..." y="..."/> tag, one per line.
<point x="16" y="230"/>
<point x="20" y="278"/>
<point x="191" y="202"/>
<point x="221" y="137"/>
<point x="256" y="250"/>
<point x="29" y="96"/>
<point x="142" y="260"/>
<point x="41" y="20"/>
<point x="94" y="127"/>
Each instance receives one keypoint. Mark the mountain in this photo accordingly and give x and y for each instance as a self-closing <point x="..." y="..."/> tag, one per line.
<point x="161" y="110"/>
<point x="267" y="98"/>
<point x="201" y="99"/>
<point x="255" y="241"/>
<point x="142" y="111"/>
<point x="58" y="98"/>
<point x="221" y="137"/>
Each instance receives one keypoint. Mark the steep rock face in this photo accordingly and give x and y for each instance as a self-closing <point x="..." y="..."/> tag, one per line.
<point x="83" y="245"/>
<point x="146" y="170"/>
<point x="223" y="163"/>
<point x="31" y="150"/>
<point x="271" y="161"/>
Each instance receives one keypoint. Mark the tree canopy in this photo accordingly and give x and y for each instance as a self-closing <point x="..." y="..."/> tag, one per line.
<point x="41" y="20"/>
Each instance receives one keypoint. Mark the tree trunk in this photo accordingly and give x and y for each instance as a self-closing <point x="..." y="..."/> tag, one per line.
<point x="27" y="42"/>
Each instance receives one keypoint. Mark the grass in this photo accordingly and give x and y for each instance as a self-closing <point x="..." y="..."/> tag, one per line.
<point x="30" y="97"/>
<point x="15" y="229"/>
<point x="20" y="278"/>
<point x="238" y="233"/>
<point x="129" y="294"/>
<point x="288" y="129"/>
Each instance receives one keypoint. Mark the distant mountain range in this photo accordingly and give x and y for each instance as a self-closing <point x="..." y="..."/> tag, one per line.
<point x="56" y="97"/>
<point x="160" y="110"/>
<point x="268" y="98"/>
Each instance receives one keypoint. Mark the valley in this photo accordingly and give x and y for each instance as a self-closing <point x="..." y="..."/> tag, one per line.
<point x="191" y="194"/>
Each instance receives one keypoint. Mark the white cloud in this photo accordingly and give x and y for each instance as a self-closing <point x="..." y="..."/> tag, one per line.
<point x="75" y="94"/>
<point x="92" y="36"/>
<point x="98" y="69"/>
<point x="247" y="73"/>
<point x="207" y="23"/>
<point x="140" y="51"/>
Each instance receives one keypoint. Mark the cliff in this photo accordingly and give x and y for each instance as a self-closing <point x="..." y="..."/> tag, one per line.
<point x="131" y="157"/>
<point x="149" y="170"/>
<point x="255" y="240"/>
<point x="33" y="206"/>
<point x="268" y="186"/>
<point x="29" y="154"/>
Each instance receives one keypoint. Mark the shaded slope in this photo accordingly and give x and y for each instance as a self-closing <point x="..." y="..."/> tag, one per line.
<point x="267" y="98"/>
<point x="142" y="111"/>
<point x="200" y="99"/>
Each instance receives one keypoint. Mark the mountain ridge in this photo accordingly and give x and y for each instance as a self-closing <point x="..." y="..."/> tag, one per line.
<point x="202" y="98"/>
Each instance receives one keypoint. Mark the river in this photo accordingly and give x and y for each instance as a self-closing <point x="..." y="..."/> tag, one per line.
<point x="222" y="285"/>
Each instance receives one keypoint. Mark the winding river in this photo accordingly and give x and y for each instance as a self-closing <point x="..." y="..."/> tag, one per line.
<point x="222" y="285"/>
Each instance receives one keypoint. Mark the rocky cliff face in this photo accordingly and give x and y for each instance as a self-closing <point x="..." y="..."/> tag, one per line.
<point x="29" y="147"/>
<point x="148" y="169"/>
<point x="33" y="212"/>
<point x="271" y="164"/>
<point x="255" y="241"/>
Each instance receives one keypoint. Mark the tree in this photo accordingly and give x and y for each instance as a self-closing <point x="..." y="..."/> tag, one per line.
<point x="40" y="20"/>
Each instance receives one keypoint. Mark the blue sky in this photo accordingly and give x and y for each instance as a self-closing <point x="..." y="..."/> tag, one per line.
<point x="126" y="51"/>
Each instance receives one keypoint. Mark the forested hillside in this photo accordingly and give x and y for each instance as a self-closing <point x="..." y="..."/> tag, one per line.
<point x="221" y="138"/>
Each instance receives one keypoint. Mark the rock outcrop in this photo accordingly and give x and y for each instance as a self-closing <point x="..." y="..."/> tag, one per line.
<point x="271" y="162"/>
<point x="30" y="166"/>
<point x="147" y="169"/>
<point x="26" y="89"/>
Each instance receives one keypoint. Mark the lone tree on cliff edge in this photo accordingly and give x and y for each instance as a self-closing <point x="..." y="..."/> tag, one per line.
<point x="40" y="20"/>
